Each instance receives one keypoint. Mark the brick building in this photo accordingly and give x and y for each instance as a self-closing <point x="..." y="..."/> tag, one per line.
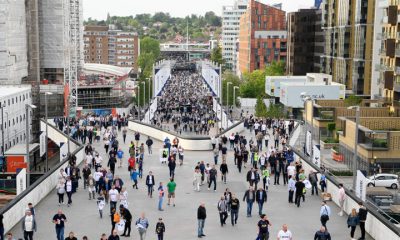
<point x="114" y="47"/>
<point x="262" y="36"/>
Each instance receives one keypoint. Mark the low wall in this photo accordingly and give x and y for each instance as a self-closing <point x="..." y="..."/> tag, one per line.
<point x="188" y="143"/>
<point x="15" y="210"/>
<point x="376" y="225"/>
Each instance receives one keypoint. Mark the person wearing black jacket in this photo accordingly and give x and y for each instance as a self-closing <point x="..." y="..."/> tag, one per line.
<point x="114" y="235"/>
<point x="201" y="218"/>
<point x="126" y="214"/>
<point x="160" y="229"/>
<point x="149" y="144"/>
<point x="362" y="215"/>
<point x="224" y="170"/>
<point x="249" y="197"/>
<point x="322" y="234"/>
<point x="150" y="184"/>
<point x="172" y="166"/>
<point x="86" y="172"/>
<point x="213" y="178"/>
<point x="88" y="149"/>
<point x="299" y="191"/>
<point x="111" y="163"/>
<point x="261" y="198"/>
<point x="234" y="205"/>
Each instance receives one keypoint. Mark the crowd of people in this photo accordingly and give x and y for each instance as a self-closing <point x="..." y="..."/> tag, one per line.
<point x="185" y="105"/>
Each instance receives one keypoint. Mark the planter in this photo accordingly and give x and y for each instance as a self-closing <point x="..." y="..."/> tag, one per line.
<point x="325" y="145"/>
<point x="336" y="156"/>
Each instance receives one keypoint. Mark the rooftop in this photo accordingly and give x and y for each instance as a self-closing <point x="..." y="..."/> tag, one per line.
<point x="8" y="90"/>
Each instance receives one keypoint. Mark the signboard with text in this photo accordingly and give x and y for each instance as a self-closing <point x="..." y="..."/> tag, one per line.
<point x="21" y="181"/>
<point x="316" y="155"/>
<point x="42" y="143"/>
<point x="361" y="185"/>
<point x="308" y="143"/>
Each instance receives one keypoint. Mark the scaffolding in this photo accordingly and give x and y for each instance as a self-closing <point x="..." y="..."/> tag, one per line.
<point x="73" y="42"/>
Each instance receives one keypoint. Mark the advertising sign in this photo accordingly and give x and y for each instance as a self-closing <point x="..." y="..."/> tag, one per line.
<point x="43" y="143"/>
<point x="316" y="155"/>
<point x="63" y="151"/>
<point x="15" y="162"/>
<point x="308" y="143"/>
<point x="21" y="181"/>
<point x="361" y="185"/>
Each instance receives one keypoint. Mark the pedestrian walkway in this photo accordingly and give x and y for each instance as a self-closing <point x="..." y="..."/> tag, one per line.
<point x="180" y="221"/>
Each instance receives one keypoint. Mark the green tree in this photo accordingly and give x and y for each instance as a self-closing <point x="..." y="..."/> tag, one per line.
<point x="275" y="69"/>
<point x="353" y="100"/>
<point x="261" y="109"/>
<point x="149" y="53"/>
<point x="216" y="56"/>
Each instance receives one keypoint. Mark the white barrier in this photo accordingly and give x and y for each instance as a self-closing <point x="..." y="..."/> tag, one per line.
<point x="15" y="210"/>
<point x="153" y="108"/>
<point x="188" y="143"/>
<point x="374" y="226"/>
<point x="212" y="77"/>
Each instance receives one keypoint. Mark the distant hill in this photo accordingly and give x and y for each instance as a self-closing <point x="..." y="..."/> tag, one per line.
<point x="164" y="28"/>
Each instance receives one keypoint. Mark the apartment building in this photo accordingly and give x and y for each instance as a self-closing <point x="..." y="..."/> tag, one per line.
<point x="349" y="28"/>
<point x="304" y="42"/>
<point x="389" y="77"/>
<point x="230" y="32"/>
<point x="262" y="36"/>
<point x="105" y="45"/>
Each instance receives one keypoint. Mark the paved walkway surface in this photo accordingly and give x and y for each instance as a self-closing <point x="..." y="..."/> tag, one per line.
<point x="181" y="223"/>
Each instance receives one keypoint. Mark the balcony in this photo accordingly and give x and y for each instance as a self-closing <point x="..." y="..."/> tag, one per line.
<point x="374" y="140"/>
<point x="324" y="114"/>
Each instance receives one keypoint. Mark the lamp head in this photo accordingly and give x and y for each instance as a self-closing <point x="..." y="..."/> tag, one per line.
<point x="48" y="93"/>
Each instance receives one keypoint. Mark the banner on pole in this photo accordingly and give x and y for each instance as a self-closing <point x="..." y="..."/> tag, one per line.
<point x="21" y="181"/>
<point x="42" y="143"/>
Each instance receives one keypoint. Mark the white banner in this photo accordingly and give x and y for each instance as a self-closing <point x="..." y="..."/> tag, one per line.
<point x="361" y="185"/>
<point x="153" y="109"/>
<point x="21" y="181"/>
<point x="308" y="143"/>
<point x="225" y="121"/>
<point x="161" y="76"/>
<point x="63" y="150"/>
<point x="42" y="143"/>
<point x="211" y="77"/>
<point x="317" y="155"/>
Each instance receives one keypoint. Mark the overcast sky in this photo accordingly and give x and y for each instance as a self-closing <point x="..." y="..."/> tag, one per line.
<point x="98" y="9"/>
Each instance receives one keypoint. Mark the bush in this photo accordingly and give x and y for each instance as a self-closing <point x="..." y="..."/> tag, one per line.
<point x="330" y="140"/>
<point x="341" y="173"/>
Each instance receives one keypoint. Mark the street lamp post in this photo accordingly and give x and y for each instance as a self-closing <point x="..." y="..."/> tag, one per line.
<point x="144" y="98"/>
<point x="355" y="157"/>
<point x="47" y="130"/>
<point x="138" y="102"/>
<point x="227" y="102"/>
<point x="28" y="171"/>
<point x="234" y="95"/>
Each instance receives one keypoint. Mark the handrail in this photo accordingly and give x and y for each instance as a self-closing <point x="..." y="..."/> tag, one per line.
<point x="350" y="194"/>
<point x="41" y="179"/>
<point x="381" y="211"/>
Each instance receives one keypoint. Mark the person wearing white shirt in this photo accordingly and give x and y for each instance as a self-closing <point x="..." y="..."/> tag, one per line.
<point x="113" y="195"/>
<point x="291" y="187"/>
<point x="325" y="213"/>
<point x="28" y="225"/>
<point x="266" y="139"/>
<point x="89" y="159"/>
<point x="264" y="129"/>
<point x="291" y="170"/>
<point x="284" y="233"/>
<point x="342" y="198"/>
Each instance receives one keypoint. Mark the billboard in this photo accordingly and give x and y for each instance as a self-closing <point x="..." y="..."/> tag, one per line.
<point x="361" y="185"/>
<point x="316" y="155"/>
<point x="290" y="93"/>
<point x="15" y="162"/>
<point x="308" y="143"/>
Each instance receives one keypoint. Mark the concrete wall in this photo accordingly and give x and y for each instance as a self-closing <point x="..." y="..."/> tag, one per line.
<point x="188" y="143"/>
<point x="15" y="210"/>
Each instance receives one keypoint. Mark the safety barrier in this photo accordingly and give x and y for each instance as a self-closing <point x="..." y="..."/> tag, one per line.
<point x="15" y="210"/>
<point x="188" y="143"/>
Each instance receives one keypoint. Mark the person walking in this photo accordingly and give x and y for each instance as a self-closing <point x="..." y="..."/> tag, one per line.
<point x="322" y="234"/>
<point x="234" y="205"/>
<point x="71" y="236"/>
<point x="150" y="184"/>
<point x="171" y="166"/>
<point x="196" y="180"/>
<point x="160" y="229"/>
<point x="249" y="197"/>
<point x="113" y="195"/>
<point x="352" y="221"/>
<point x="224" y="171"/>
<point x="171" y="186"/>
<point x="291" y="188"/>
<point x="28" y="225"/>
<point x="201" y="218"/>
<point x="127" y="216"/>
<point x="213" y="178"/>
<point x="124" y="132"/>
<point x="362" y="215"/>
<point x="68" y="189"/>
<point x="263" y="227"/>
<point x="223" y="210"/>
<point x="59" y="220"/>
<point x="342" y="198"/>
<point x="284" y="233"/>
<point x="325" y="213"/>
<point x="161" y="193"/>
<point x="142" y="224"/>
<point x="261" y="198"/>
<point x="312" y="177"/>
<point x="60" y="191"/>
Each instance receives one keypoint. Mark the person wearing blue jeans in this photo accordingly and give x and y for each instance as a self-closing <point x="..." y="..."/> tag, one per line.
<point x="59" y="220"/>
<point x="160" y="196"/>
<point x="201" y="218"/>
<point x="249" y="197"/>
